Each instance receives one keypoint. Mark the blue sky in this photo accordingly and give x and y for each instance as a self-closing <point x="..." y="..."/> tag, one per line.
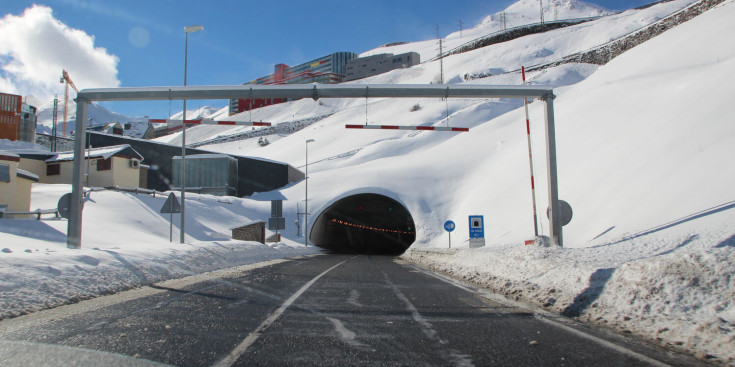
<point x="242" y="40"/>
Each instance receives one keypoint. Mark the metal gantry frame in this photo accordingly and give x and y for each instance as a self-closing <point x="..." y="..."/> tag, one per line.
<point x="315" y="91"/>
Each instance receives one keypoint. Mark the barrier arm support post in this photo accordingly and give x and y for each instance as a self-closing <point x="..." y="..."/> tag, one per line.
<point x="555" y="212"/>
<point x="74" y="227"/>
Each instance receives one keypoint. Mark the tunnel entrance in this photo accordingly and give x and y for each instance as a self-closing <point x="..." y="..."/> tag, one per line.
<point x="365" y="224"/>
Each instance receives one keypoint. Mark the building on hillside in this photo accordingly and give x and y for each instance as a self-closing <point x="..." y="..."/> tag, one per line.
<point x="253" y="174"/>
<point x="364" y="67"/>
<point x="15" y="184"/>
<point x="115" y="128"/>
<point x="329" y="69"/>
<point x="28" y="121"/>
<point x="214" y="174"/>
<point x="103" y="167"/>
<point x="48" y="141"/>
<point x="17" y="119"/>
<point x="139" y="130"/>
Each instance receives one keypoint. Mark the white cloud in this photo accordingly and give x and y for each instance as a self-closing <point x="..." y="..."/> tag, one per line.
<point x="36" y="47"/>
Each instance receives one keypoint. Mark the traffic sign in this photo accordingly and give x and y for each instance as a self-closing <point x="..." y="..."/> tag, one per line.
<point x="64" y="205"/>
<point x="276" y="223"/>
<point x="449" y="226"/>
<point x="477" y="226"/>
<point x="565" y="212"/>
<point x="171" y="205"/>
<point x="276" y="208"/>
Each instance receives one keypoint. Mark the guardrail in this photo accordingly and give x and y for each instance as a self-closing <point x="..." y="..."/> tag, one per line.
<point x="37" y="213"/>
<point x="135" y="190"/>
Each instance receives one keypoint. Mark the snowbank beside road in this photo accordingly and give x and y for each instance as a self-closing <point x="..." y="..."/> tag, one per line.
<point x="125" y="245"/>
<point x="40" y="279"/>
<point x="674" y="288"/>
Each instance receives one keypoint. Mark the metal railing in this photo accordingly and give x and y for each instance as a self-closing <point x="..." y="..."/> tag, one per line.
<point x="37" y="213"/>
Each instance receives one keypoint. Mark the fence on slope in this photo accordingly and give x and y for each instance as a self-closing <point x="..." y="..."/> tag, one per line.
<point x="511" y="34"/>
<point x="602" y="54"/>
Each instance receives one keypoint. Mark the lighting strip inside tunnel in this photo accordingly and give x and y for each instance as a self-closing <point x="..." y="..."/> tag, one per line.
<point x="370" y="228"/>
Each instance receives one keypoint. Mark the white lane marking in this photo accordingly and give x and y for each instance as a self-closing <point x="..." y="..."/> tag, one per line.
<point x="38" y="319"/>
<point x="241" y="348"/>
<point x="347" y="335"/>
<point x="602" y="342"/>
<point x="354" y="295"/>
<point x="541" y="317"/>
<point x="458" y="359"/>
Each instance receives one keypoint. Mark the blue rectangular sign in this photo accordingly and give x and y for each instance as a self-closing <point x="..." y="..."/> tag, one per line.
<point x="477" y="226"/>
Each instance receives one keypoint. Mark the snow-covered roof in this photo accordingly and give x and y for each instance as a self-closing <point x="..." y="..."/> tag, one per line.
<point x="104" y="153"/>
<point x="205" y="156"/>
<point x="247" y="224"/>
<point x="8" y="156"/>
<point x="27" y="175"/>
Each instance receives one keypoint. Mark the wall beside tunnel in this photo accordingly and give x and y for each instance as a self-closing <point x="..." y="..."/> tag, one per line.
<point x="364" y="223"/>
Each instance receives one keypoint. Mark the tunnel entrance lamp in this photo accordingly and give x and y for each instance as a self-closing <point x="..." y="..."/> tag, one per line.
<point x="182" y="232"/>
<point x="306" y="196"/>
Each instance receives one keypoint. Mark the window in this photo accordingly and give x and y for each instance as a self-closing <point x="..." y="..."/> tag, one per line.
<point x="53" y="169"/>
<point x="104" y="164"/>
<point x="4" y="173"/>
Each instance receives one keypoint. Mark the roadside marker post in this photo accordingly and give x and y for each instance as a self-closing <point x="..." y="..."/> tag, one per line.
<point x="530" y="157"/>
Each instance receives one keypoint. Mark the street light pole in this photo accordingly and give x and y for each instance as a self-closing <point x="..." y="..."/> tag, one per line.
<point x="187" y="30"/>
<point x="306" y="195"/>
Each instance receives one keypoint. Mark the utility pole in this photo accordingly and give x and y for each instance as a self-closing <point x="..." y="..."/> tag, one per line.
<point x="441" y="57"/>
<point x="541" y="7"/>
<point x="54" y="120"/>
<point x="460" y="28"/>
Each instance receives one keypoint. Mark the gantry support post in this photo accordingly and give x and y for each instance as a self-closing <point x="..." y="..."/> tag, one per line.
<point x="74" y="229"/>
<point x="555" y="209"/>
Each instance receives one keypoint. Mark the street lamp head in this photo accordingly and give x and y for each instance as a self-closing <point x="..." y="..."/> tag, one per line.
<point x="309" y="141"/>
<point x="193" y="28"/>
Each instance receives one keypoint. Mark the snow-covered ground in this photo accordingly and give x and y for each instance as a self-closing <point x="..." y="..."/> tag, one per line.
<point x="644" y="148"/>
<point x="125" y="245"/>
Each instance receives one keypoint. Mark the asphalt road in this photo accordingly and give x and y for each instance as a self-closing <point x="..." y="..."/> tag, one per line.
<point x="323" y="310"/>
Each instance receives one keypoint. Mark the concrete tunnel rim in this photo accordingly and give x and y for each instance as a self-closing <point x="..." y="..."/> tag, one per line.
<point x="365" y="190"/>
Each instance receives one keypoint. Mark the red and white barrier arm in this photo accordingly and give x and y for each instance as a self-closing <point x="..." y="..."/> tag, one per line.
<point x="404" y="127"/>
<point x="209" y="122"/>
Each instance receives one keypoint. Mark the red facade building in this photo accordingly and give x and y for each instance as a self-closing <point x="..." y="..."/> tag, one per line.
<point x="10" y="116"/>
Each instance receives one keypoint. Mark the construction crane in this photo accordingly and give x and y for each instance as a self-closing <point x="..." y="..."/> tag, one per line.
<point x="66" y="79"/>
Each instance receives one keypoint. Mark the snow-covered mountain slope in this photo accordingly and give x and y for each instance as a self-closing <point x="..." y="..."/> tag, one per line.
<point x="200" y="113"/>
<point x="97" y="113"/>
<point x="402" y="162"/>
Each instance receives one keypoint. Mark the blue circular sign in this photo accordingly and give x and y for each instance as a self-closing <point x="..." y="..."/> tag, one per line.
<point x="449" y="226"/>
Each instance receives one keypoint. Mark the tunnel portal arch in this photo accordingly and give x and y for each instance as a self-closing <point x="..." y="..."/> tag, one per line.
<point x="364" y="223"/>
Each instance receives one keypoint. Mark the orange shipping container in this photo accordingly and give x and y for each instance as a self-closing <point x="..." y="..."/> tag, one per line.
<point x="10" y="107"/>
